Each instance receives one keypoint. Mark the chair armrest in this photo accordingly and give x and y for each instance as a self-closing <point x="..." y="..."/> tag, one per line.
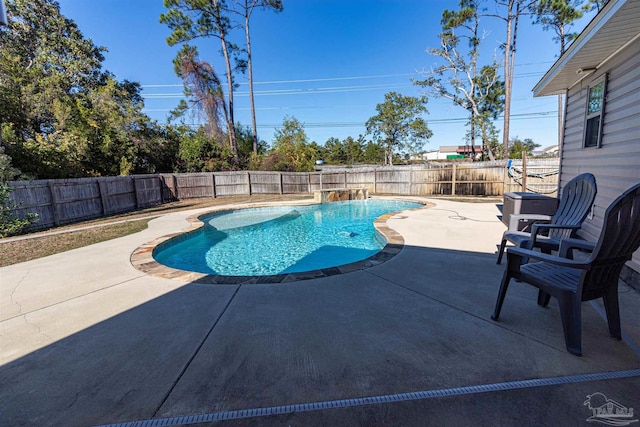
<point x="515" y="219"/>
<point x="567" y="245"/>
<point x="520" y="253"/>
<point x="536" y="228"/>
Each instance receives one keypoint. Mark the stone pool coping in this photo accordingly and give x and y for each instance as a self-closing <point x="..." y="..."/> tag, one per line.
<point x="142" y="258"/>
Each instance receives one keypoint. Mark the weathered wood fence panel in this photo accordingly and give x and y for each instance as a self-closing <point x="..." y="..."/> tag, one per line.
<point x="542" y="176"/>
<point x="65" y="201"/>
<point x="362" y="178"/>
<point x="266" y="183"/>
<point x="33" y="197"/>
<point x="119" y="195"/>
<point x="193" y="185"/>
<point x="232" y="183"/>
<point x="393" y="181"/>
<point x="60" y="202"/>
<point x="295" y="183"/>
<point x="148" y="190"/>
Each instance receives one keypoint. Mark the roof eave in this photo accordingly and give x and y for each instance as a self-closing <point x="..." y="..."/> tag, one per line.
<point x="542" y="88"/>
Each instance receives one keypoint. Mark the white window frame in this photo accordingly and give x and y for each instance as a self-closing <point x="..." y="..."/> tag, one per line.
<point x="596" y="114"/>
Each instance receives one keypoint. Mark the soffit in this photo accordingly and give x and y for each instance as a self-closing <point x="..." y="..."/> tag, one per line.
<point x="614" y="28"/>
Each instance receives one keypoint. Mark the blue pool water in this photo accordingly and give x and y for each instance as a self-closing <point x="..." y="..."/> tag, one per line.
<point x="283" y="239"/>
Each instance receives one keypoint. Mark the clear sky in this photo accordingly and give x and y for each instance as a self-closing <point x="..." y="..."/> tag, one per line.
<point x="325" y="62"/>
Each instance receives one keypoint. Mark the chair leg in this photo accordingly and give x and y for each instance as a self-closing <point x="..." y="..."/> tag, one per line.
<point x="503" y="291"/>
<point x="613" y="311"/>
<point x="571" y="315"/>
<point x="501" y="250"/>
<point x="543" y="298"/>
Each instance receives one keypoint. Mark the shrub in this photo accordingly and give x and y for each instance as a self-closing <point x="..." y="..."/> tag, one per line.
<point x="9" y="224"/>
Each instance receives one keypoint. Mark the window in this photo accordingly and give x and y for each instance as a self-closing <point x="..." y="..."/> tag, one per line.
<point x="595" y="112"/>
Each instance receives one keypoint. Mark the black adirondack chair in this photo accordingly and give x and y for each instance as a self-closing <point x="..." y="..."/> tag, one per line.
<point x="576" y="201"/>
<point x="573" y="281"/>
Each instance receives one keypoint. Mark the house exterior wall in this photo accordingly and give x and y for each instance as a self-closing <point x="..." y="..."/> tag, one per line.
<point x="616" y="164"/>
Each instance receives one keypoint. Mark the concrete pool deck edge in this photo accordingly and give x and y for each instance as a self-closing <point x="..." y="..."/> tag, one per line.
<point x="143" y="260"/>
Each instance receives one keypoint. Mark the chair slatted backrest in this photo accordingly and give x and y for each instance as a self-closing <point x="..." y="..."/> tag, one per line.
<point x="575" y="203"/>
<point x="619" y="239"/>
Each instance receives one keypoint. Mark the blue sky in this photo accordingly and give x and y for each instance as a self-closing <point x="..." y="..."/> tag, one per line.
<point x="325" y="62"/>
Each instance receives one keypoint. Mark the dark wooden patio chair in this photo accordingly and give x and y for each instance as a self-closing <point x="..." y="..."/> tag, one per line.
<point x="573" y="281"/>
<point x="576" y="201"/>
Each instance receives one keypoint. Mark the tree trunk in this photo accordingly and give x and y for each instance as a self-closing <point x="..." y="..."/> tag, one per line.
<point x="230" y="123"/>
<point x="473" y="136"/>
<point x="508" y="81"/>
<point x="254" y="126"/>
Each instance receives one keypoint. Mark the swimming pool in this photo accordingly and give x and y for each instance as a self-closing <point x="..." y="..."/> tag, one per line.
<point x="280" y="240"/>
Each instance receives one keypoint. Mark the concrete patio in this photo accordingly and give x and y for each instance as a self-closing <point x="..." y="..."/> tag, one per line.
<point x="87" y="339"/>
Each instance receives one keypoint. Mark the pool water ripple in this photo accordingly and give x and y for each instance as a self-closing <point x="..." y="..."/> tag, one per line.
<point x="280" y="240"/>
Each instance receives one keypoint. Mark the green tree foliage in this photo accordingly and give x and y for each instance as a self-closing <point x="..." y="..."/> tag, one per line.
<point x="9" y="223"/>
<point x="518" y="146"/>
<point x="199" y="153"/>
<point x="353" y="150"/>
<point x="347" y="152"/>
<point x="334" y="152"/>
<point x="398" y="125"/>
<point x="558" y="16"/>
<point x="62" y="115"/>
<point x="596" y="5"/>
<point x="7" y="172"/>
<point x="460" y="77"/>
<point x="373" y="152"/>
<point x="291" y="149"/>
<point x="247" y="158"/>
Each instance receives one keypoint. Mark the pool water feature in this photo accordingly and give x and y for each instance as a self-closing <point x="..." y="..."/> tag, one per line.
<point x="280" y="240"/>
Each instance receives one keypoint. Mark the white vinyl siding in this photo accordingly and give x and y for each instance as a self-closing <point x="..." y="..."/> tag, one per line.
<point x="616" y="165"/>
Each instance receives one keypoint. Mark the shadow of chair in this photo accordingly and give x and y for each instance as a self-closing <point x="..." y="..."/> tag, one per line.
<point x="573" y="281"/>
<point x="576" y="201"/>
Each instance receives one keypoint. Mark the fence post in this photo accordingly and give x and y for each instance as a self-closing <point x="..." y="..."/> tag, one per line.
<point x="249" y="183"/>
<point x="213" y="184"/>
<point x="175" y="187"/>
<point x="321" y="179"/>
<point x="162" y="185"/>
<point x="375" y="180"/>
<point x="103" y="197"/>
<point x="135" y="192"/>
<point x="505" y="181"/>
<point x="411" y="181"/>
<point x="524" y="171"/>
<point x="453" y="180"/>
<point x="280" y="189"/>
<point x="54" y="203"/>
<point x="345" y="179"/>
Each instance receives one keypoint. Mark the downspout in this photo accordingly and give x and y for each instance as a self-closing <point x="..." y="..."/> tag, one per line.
<point x="561" y="145"/>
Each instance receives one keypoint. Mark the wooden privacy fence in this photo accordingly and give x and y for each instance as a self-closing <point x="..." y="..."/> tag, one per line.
<point x="59" y="202"/>
<point x="65" y="201"/>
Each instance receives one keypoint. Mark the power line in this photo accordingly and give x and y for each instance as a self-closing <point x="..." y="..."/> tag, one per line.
<point x="281" y="92"/>
<point x="523" y="116"/>
<point x="326" y="79"/>
<point x="329" y="79"/>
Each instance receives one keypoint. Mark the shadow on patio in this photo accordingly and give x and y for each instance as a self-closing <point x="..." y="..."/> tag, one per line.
<point x="419" y="322"/>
